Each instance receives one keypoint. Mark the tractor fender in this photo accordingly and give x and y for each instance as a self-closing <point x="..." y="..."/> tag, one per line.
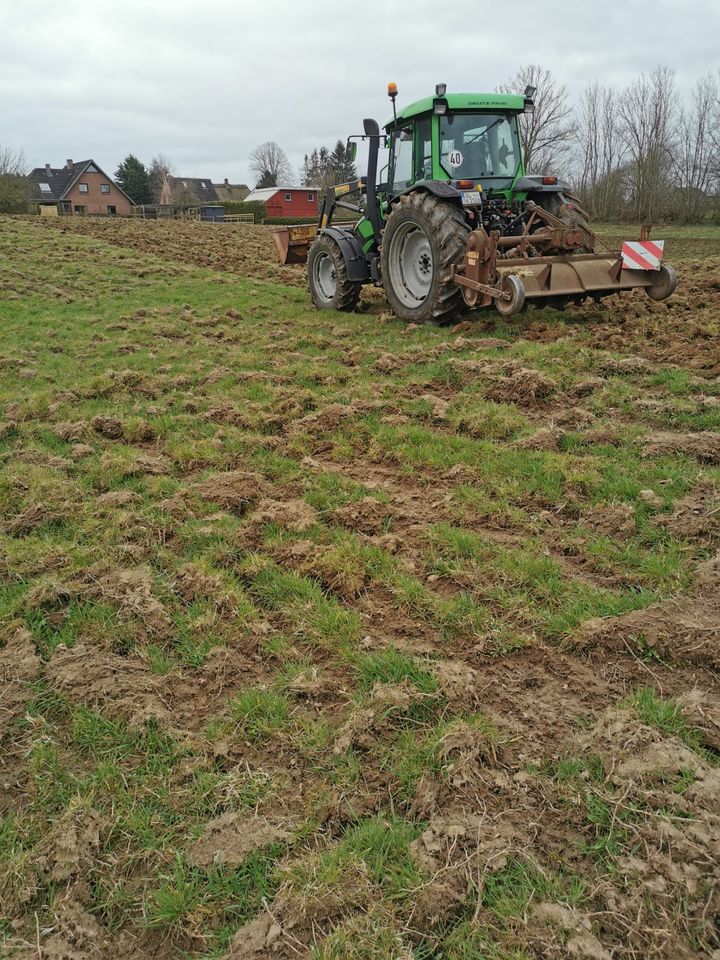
<point x="355" y="260"/>
<point x="438" y="187"/>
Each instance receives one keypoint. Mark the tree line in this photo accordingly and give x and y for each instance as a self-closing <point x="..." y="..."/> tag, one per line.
<point x="320" y="169"/>
<point x="635" y="153"/>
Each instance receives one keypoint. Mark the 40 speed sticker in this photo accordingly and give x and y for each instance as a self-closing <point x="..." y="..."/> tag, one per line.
<point x="455" y="158"/>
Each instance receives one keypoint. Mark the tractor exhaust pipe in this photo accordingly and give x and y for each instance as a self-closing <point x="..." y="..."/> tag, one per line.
<point x="372" y="132"/>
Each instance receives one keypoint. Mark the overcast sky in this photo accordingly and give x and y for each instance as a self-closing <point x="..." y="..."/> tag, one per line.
<point x="205" y="82"/>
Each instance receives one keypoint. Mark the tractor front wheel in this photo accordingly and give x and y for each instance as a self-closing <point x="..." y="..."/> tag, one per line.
<point x="328" y="281"/>
<point x="424" y="238"/>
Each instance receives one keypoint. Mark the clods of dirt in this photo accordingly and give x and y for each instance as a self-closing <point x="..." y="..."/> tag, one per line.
<point x="704" y="447"/>
<point x="366" y="515"/>
<point x="230" y="838"/>
<point x="694" y="517"/>
<point x="683" y="629"/>
<point x="524" y="386"/>
<point x="119" y="685"/>
<point x="234" y="490"/>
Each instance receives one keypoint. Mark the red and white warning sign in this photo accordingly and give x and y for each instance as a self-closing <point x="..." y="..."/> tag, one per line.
<point x="642" y="254"/>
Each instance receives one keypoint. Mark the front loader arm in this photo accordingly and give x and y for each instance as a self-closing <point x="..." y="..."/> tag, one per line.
<point x="331" y="200"/>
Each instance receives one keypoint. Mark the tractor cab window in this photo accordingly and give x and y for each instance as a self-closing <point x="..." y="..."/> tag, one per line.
<point x="402" y="156"/>
<point x="474" y="146"/>
<point x="423" y="149"/>
<point x="412" y="154"/>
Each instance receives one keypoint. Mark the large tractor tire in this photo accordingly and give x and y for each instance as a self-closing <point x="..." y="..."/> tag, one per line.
<point x="424" y="238"/>
<point x="328" y="281"/>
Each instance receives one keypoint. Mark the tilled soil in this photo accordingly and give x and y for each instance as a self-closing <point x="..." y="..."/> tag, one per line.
<point x="326" y="638"/>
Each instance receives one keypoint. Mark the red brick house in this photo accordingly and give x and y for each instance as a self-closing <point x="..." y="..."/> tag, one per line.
<point x="79" y="188"/>
<point x="287" y="201"/>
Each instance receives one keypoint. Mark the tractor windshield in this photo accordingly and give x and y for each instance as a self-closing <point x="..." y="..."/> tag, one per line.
<point x="479" y="146"/>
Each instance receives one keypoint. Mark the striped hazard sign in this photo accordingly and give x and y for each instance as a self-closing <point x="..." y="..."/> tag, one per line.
<point x="642" y="254"/>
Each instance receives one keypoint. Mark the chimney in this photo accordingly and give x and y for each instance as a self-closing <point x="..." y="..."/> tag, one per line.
<point x="48" y="170"/>
<point x="226" y="182"/>
<point x="68" y="164"/>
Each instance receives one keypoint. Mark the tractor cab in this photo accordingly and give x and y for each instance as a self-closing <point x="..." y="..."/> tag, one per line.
<point x="470" y="141"/>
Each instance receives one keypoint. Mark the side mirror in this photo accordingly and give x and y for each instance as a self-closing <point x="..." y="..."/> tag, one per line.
<point x="351" y="150"/>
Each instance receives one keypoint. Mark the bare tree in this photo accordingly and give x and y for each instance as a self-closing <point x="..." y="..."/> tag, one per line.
<point x="13" y="183"/>
<point x="270" y="164"/>
<point x="696" y="152"/>
<point x="547" y="132"/>
<point x="646" y="110"/>
<point x="159" y="173"/>
<point x="602" y="176"/>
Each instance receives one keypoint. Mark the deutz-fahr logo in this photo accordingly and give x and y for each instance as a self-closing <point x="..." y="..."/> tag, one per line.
<point x="484" y="103"/>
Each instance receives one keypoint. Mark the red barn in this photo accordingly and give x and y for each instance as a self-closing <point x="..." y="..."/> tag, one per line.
<point x="288" y="202"/>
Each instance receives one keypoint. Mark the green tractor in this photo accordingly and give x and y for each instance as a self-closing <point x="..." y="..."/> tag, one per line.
<point x="454" y="219"/>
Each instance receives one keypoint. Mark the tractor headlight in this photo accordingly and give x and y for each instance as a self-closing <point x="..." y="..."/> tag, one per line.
<point x="440" y="107"/>
<point x="440" y="89"/>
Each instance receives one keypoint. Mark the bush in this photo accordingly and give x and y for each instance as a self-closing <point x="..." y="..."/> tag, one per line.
<point x="256" y="207"/>
<point x="284" y="220"/>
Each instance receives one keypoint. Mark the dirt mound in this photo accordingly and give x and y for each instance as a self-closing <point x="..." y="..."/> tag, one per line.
<point x="367" y="515"/>
<point x="611" y="520"/>
<point x="108" y="427"/>
<point x="452" y="849"/>
<point x="294" y="515"/>
<point x="229" y="839"/>
<point x="576" y="938"/>
<point x="547" y="438"/>
<point x="191" y="583"/>
<point x="121" y="687"/>
<point x="19" y="664"/>
<point x="131" y="592"/>
<point x="524" y="386"/>
<point x="235" y="490"/>
<point x="632" y="751"/>
<point x="389" y="701"/>
<point x="466" y="752"/>
<point x="460" y="683"/>
<point x="73" y="844"/>
<point x="680" y="629"/>
<point x="694" y="517"/>
<point x="702" y="446"/>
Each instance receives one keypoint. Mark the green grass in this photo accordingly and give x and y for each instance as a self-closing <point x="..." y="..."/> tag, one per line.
<point x="234" y="679"/>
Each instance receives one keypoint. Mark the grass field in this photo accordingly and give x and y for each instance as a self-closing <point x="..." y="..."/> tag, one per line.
<point x="325" y="637"/>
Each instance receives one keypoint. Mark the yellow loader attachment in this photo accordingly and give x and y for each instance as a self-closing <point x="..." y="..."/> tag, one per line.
<point x="293" y="243"/>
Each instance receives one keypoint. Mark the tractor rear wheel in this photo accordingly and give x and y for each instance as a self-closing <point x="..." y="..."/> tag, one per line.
<point x="424" y="238"/>
<point x="328" y="281"/>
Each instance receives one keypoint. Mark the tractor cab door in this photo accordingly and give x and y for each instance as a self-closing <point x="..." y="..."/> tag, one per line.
<point x="410" y="155"/>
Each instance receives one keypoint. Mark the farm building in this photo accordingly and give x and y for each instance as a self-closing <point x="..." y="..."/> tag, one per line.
<point x="78" y="188"/>
<point x="227" y="192"/>
<point x="287" y="201"/>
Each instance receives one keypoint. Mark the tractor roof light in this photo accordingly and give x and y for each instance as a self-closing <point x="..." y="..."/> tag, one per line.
<point x="530" y="91"/>
<point x="440" y="107"/>
<point x="440" y="89"/>
<point x="392" y="90"/>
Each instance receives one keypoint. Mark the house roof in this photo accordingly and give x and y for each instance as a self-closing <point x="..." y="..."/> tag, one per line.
<point x="265" y="193"/>
<point x="200" y="188"/>
<point x="231" y="191"/>
<point x="61" y="179"/>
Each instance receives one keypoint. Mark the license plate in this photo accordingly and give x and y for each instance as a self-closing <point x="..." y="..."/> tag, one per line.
<point x="471" y="198"/>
